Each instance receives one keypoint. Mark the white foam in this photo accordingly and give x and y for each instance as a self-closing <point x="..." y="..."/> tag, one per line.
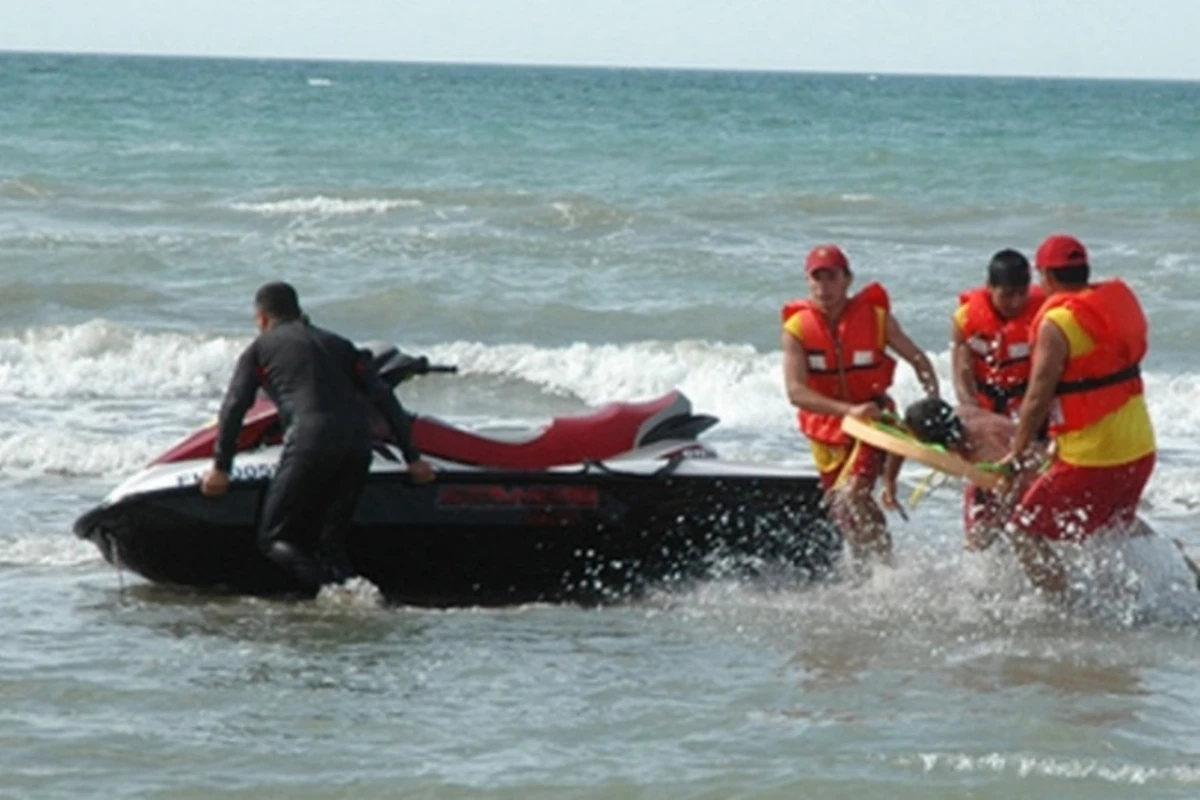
<point x="357" y="592"/>
<point x="744" y="387"/>
<point x="72" y="454"/>
<point x="735" y="382"/>
<point x="322" y="205"/>
<point x="320" y="82"/>
<point x="1131" y="580"/>
<point x="102" y="359"/>
<point x="55" y="550"/>
<point x="1024" y="765"/>
<point x="98" y="397"/>
<point x="961" y="606"/>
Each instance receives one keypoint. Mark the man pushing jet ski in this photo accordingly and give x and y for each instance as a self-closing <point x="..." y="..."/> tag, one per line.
<point x="319" y="381"/>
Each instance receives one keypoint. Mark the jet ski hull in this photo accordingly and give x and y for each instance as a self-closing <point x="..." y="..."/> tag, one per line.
<point x="494" y="537"/>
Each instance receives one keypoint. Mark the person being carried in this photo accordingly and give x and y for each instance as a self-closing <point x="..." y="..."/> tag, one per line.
<point x="978" y="436"/>
<point x="990" y="356"/>
<point x="981" y="436"/>
<point x="836" y="363"/>
<point x="318" y="381"/>
<point x="1086" y="380"/>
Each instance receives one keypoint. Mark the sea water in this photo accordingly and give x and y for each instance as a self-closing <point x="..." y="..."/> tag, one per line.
<point x="566" y="237"/>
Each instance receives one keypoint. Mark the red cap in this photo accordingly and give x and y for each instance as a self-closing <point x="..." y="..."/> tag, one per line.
<point x="1061" y="250"/>
<point x="826" y="256"/>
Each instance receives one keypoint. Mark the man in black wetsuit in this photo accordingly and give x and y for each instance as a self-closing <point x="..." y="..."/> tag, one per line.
<point x="318" y="380"/>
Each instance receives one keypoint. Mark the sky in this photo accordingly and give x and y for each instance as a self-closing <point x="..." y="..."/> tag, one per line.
<point x="1069" y="38"/>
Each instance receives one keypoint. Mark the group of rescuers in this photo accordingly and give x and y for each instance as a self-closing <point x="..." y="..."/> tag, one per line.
<point x="1047" y="380"/>
<point x="1048" y="384"/>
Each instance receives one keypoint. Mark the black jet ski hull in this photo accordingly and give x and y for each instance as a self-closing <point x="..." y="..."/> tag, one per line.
<point x="493" y="538"/>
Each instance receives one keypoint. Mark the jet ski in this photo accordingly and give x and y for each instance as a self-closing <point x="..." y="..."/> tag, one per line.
<point x="588" y="508"/>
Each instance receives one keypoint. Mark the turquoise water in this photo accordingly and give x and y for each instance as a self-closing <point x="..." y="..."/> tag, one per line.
<point x="567" y="237"/>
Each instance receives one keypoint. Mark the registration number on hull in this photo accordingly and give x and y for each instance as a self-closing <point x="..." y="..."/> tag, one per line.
<point x="240" y="472"/>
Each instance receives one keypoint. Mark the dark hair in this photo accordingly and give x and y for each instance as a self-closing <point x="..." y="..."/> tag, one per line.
<point x="1072" y="277"/>
<point x="278" y="301"/>
<point x="933" y="421"/>
<point x="1009" y="269"/>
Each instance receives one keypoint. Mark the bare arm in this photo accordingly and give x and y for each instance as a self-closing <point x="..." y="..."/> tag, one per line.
<point x="898" y="340"/>
<point x="795" y="380"/>
<point x="891" y="467"/>
<point x="1050" y="352"/>
<point x="961" y="372"/>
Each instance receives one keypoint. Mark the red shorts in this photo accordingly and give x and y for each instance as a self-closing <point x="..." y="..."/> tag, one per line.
<point x="1070" y="502"/>
<point x="838" y="463"/>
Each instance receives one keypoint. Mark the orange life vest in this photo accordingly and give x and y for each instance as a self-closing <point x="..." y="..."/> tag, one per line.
<point x="1000" y="348"/>
<point x="847" y="362"/>
<point x="1096" y="384"/>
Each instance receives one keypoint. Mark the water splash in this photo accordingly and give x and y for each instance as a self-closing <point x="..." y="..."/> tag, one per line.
<point x="355" y="592"/>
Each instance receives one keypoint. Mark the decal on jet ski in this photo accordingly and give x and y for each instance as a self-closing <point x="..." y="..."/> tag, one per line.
<point x="241" y="472"/>
<point x="692" y="451"/>
<point x="533" y="497"/>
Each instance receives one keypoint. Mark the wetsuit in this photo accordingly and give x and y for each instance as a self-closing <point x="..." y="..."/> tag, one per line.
<point x="321" y="384"/>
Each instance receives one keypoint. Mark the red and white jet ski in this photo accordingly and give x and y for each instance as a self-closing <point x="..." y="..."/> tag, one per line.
<point x="587" y="508"/>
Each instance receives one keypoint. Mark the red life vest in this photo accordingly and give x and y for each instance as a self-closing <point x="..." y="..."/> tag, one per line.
<point x="847" y="362"/>
<point x="1000" y="348"/>
<point x="1096" y="384"/>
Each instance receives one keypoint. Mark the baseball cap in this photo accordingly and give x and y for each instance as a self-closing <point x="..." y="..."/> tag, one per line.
<point x="826" y="256"/>
<point x="1061" y="250"/>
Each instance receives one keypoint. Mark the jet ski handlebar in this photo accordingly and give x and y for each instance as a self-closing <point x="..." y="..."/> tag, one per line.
<point x="396" y="367"/>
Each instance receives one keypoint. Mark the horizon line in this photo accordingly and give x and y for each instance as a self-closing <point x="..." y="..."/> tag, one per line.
<point x="895" y="73"/>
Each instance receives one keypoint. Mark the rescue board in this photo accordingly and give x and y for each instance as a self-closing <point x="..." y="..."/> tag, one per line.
<point x="896" y="440"/>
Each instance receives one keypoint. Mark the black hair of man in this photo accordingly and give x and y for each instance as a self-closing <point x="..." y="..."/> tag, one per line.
<point x="278" y="300"/>
<point x="1009" y="269"/>
<point x="1076" y="277"/>
<point x="933" y="421"/>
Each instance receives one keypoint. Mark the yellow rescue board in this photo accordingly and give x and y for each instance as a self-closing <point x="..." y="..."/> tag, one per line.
<point x="893" y="441"/>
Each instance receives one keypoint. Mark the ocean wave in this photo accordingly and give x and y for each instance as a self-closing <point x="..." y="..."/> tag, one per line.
<point x="94" y="295"/>
<point x="68" y="452"/>
<point x="46" y="550"/>
<point x="756" y="208"/>
<point x="121" y="377"/>
<point x="28" y="188"/>
<point x="100" y="359"/>
<point x="729" y="380"/>
<point x="588" y="215"/>
<point x="1028" y="765"/>
<point x="322" y="205"/>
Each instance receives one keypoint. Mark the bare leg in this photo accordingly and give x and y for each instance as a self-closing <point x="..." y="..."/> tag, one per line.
<point x="1042" y="566"/>
<point x="862" y="521"/>
<point x="981" y="537"/>
<point x="985" y="515"/>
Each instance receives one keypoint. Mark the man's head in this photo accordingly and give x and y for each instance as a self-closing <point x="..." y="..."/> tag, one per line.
<point x="829" y="277"/>
<point x="1063" y="263"/>
<point x="933" y="421"/>
<point x="1008" y="283"/>
<point x="276" y="302"/>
